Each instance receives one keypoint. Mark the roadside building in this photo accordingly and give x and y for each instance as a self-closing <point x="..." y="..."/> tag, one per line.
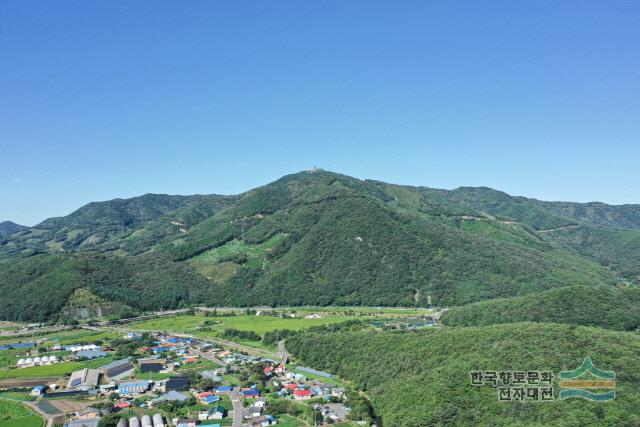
<point x="249" y="392"/>
<point x="84" y="379"/>
<point x="118" y="370"/>
<point x="252" y="412"/>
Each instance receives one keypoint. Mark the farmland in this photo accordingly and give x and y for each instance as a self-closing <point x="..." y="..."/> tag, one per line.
<point x="14" y="414"/>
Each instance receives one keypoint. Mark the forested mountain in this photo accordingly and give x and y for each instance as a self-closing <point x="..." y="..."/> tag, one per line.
<point x="114" y="224"/>
<point x="7" y="228"/>
<point x="422" y="378"/>
<point x="318" y="238"/>
<point x="608" y="234"/>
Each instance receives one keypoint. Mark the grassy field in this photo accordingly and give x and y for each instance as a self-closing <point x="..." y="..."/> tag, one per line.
<point x="14" y="414"/>
<point x="257" y="324"/>
<point x="57" y="370"/>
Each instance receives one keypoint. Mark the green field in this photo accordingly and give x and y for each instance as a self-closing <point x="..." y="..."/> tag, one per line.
<point x="289" y="421"/>
<point x="14" y="414"/>
<point x="257" y="324"/>
<point x="17" y="395"/>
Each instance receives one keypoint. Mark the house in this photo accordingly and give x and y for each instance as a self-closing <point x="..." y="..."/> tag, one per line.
<point x="133" y="388"/>
<point x="302" y="394"/>
<point x="215" y="413"/>
<point x="261" y="402"/>
<point x="38" y="391"/>
<point x="249" y="392"/>
<point x="122" y="405"/>
<point x="89" y="414"/>
<point x="252" y="412"/>
<point x="208" y="400"/>
<point x="224" y="389"/>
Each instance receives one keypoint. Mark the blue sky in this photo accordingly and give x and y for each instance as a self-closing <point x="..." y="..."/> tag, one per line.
<point x="117" y="98"/>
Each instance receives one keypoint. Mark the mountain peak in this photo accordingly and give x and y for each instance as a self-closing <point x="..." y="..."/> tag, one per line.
<point x="7" y="228"/>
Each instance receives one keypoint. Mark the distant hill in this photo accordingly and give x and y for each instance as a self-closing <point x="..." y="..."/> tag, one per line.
<point x="129" y="224"/>
<point x="7" y="228"/>
<point x="422" y="378"/>
<point x="320" y="238"/>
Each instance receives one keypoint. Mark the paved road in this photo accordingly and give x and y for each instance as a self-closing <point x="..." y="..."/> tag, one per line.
<point x="21" y="333"/>
<point x="238" y="410"/>
<point x="282" y="351"/>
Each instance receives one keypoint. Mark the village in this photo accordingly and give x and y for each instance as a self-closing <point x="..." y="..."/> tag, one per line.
<point x="180" y="381"/>
<point x="168" y="369"/>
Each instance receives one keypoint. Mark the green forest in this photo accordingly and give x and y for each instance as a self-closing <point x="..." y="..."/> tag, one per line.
<point x="611" y="308"/>
<point x="422" y="378"/>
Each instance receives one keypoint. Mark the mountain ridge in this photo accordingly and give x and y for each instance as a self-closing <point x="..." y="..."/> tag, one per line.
<point x="319" y="238"/>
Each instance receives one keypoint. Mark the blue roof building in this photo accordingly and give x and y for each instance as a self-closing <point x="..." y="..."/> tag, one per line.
<point x="250" y="393"/>
<point x="133" y="387"/>
<point x="210" y="399"/>
<point x="38" y="390"/>
<point x="224" y="388"/>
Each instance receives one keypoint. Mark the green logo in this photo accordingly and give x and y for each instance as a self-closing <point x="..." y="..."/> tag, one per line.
<point x="599" y="386"/>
